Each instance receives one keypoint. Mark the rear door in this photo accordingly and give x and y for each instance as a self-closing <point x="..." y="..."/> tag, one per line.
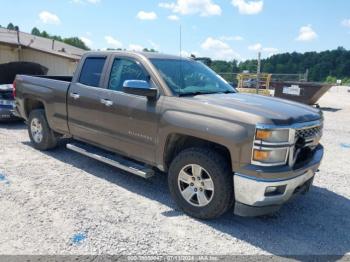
<point x="84" y="100"/>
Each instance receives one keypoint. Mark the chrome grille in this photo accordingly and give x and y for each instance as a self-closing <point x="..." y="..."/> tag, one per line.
<point x="309" y="133"/>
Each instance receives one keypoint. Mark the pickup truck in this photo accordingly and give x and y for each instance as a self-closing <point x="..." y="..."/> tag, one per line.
<point x="149" y="112"/>
<point x="6" y="103"/>
<point x="8" y="72"/>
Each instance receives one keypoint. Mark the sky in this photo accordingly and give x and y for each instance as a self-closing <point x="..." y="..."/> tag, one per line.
<point x="220" y="29"/>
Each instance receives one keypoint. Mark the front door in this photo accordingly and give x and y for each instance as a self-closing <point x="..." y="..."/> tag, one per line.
<point x="133" y="119"/>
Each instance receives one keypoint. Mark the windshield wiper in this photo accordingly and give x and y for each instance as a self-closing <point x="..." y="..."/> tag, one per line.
<point x="228" y="92"/>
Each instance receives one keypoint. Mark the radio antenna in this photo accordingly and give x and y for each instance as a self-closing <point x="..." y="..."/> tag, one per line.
<point x="180" y="45"/>
<point x="180" y="41"/>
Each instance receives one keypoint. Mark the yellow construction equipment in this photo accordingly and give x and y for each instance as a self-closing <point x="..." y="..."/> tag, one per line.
<point x="247" y="80"/>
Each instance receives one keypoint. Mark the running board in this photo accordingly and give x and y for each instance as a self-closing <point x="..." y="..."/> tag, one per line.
<point x="112" y="159"/>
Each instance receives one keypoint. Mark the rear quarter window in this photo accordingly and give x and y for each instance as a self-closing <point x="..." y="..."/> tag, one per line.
<point x="92" y="71"/>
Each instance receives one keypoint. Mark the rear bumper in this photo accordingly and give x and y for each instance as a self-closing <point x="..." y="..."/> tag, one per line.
<point x="7" y="114"/>
<point x="260" y="196"/>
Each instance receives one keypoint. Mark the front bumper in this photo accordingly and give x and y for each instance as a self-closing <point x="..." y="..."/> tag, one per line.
<point x="252" y="197"/>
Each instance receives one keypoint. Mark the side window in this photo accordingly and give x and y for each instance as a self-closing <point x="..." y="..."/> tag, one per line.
<point x="125" y="69"/>
<point x="92" y="70"/>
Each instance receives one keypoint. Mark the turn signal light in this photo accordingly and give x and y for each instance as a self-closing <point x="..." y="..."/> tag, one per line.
<point x="260" y="155"/>
<point x="263" y="134"/>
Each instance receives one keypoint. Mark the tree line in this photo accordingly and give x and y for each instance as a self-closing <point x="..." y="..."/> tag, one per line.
<point x="73" y="41"/>
<point x="326" y="66"/>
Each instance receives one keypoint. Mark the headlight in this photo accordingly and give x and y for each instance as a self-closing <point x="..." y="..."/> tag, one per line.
<point x="272" y="136"/>
<point x="270" y="157"/>
<point x="271" y="146"/>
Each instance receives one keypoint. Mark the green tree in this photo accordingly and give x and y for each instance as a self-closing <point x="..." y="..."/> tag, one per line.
<point x="10" y="26"/>
<point x="75" y="41"/>
<point x="45" y="34"/>
<point x="221" y="66"/>
<point x="331" y="79"/>
<point x="36" y="31"/>
<point x="235" y="68"/>
<point x="150" y="50"/>
<point x="205" y="60"/>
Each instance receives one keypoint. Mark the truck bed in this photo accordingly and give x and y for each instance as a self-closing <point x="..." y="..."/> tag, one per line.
<point x="51" y="91"/>
<point x="59" y="78"/>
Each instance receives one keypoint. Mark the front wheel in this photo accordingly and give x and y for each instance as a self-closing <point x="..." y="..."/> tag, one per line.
<point x="41" y="135"/>
<point x="201" y="183"/>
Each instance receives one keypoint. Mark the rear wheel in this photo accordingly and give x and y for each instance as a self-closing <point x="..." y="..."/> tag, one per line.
<point x="41" y="135"/>
<point x="201" y="183"/>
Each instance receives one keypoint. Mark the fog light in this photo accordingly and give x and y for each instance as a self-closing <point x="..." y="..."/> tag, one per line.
<point x="270" y="189"/>
<point x="275" y="190"/>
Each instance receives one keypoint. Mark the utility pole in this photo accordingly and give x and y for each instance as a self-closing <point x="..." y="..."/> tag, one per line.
<point x="19" y="45"/>
<point x="258" y="73"/>
<point x="306" y="75"/>
<point x="233" y="71"/>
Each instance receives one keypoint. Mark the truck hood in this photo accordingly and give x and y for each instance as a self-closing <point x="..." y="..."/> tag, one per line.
<point x="275" y="110"/>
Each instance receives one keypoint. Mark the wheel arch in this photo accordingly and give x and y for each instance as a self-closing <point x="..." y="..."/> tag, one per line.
<point x="32" y="104"/>
<point x="176" y="142"/>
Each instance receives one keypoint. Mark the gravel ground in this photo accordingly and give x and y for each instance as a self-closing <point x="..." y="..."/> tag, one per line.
<point x="63" y="203"/>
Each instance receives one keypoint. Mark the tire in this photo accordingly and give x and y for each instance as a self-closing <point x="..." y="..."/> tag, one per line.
<point x="41" y="135"/>
<point x="207" y="204"/>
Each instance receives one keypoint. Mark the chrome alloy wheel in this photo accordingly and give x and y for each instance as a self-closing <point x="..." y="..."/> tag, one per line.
<point x="36" y="129"/>
<point x="196" y="185"/>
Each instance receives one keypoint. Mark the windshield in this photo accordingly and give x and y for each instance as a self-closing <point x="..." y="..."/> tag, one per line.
<point x="188" y="77"/>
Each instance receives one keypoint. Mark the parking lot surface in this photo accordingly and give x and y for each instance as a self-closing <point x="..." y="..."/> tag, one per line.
<point x="60" y="202"/>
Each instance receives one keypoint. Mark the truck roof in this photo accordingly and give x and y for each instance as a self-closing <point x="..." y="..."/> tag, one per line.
<point x="149" y="55"/>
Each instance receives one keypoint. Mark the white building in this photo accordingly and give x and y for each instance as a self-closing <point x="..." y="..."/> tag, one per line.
<point x="58" y="57"/>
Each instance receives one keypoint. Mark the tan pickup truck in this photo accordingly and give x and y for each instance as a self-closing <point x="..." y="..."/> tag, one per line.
<point x="147" y="112"/>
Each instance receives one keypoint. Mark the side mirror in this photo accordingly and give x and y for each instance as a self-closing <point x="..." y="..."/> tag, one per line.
<point x="139" y="87"/>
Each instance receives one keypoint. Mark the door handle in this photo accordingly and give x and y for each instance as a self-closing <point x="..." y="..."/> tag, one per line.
<point x="106" y="102"/>
<point x="75" y="96"/>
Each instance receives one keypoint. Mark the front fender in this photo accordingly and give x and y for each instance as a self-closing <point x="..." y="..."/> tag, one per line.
<point x="232" y="135"/>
